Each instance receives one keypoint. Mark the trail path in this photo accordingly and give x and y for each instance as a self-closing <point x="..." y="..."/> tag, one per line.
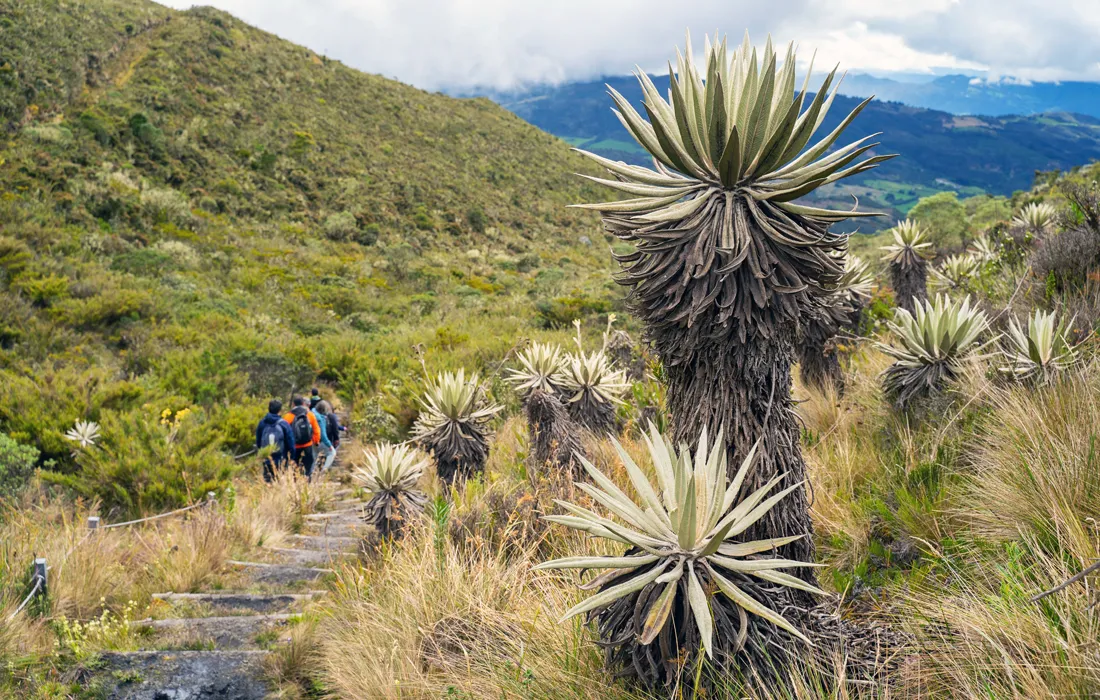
<point x="212" y="644"/>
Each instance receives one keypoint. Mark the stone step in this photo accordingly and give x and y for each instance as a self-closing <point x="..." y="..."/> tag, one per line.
<point x="348" y="545"/>
<point x="336" y="527"/>
<point x="184" y="675"/>
<point x="347" y="514"/>
<point x="237" y="632"/>
<point x="308" y="557"/>
<point x="238" y="603"/>
<point x="279" y="574"/>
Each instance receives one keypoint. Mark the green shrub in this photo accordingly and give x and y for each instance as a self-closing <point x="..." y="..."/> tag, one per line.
<point x="368" y="235"/>
<point x="17" y="464"/>
<point x="477" y="219"/>
<point x="151" y="460"/>
<point x="165" y="205"/>
<point x="341" y="226"/>
<point x="562" y="311"/>
<point x="108" y="308"/>
<point x="14" y="256"/>
<point x="43" y="291"/>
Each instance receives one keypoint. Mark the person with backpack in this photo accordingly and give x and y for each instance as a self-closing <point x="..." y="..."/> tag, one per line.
<point x="306" y="432"/>
<point x="274" y="434"/>
<point x="324" y="448"/>
<point x="332" y="427"/>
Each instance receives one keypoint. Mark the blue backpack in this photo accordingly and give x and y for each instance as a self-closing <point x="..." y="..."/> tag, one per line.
<point x="272" y="435"/>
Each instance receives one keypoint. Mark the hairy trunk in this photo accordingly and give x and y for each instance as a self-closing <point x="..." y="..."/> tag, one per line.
<point x="818" y="355"/>
<point x="596" y="415"/>
<point x="819" y="365"/>
<point x="910" y="284"/>
<point x="745" y="390"/>
<point x="553" y="437"/>
<point x="459" y="454"/>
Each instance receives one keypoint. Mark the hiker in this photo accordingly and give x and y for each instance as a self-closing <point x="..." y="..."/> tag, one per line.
<point x="333" y="428"/>
<point x="306" y="432"/>
<point x="324" y="448"/>
<point x="273" y="432"/>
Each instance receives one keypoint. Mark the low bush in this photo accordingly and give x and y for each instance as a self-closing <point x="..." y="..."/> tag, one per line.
<point x="1067" y="257"/>
<point x="148" y="461"/>
<point x="560" y="312"/>
<point x="17" y="465"/>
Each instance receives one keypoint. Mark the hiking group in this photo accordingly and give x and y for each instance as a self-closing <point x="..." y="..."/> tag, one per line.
<point x="304" y="435"/>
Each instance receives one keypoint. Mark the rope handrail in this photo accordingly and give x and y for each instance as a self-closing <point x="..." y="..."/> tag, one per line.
<point x="39" y="579"/>
<point x="37" y="586"/>
<point x="200" y="504"/>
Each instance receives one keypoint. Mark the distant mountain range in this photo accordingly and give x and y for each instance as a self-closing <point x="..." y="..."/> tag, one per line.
<point x="938" y="150"/>
<point x="962" y="94"/>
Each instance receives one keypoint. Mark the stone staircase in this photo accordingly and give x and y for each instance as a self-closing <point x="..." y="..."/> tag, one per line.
<point x="213" y="644"/>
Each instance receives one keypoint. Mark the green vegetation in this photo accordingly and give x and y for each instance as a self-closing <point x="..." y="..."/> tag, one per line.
<point x="190" y="205"/>
<point x="192" y="224"/>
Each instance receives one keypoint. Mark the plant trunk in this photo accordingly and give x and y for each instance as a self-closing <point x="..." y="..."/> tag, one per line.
<point x="744" y="389"/>
<point x="553" y="437"/>
<point x="819" y="365"/>
<point x="910" y="284"/>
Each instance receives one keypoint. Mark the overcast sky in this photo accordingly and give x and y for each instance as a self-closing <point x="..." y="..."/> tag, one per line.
<point x="455" y="44"/>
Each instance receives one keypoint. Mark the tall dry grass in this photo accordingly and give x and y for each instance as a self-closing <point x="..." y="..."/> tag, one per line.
<point x="423" y="623"/>
<point x="1028" y="507"/>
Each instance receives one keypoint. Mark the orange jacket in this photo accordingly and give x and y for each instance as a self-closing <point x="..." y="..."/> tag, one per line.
<point x="289" y="418"/>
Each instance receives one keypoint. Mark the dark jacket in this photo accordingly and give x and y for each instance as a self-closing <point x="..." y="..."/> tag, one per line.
<point x="333" y="424"/>
<point x="288" y="436"/>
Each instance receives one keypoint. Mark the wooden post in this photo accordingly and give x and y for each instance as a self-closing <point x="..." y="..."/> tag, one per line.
<point x="211" y="498"/>
<point x="40" y="573"/>
<point x="93" y="522"/>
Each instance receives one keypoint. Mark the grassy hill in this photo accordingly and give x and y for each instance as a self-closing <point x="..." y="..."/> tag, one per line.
<point x="938" y="151"/>
<point x="195" y="213"/>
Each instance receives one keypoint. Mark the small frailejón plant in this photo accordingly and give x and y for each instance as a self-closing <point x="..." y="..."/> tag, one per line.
<point x="956" y="272"/>
<point x="908" y="258"/>
<point x="935" y="343"/>
<point x="83" y="433"/>
<point x="451" y="424"/>
<point x="1035" y="220"/>
<point x="538" y="364"/>
<point x="390" y="474"/>
<point x="1040" y="351"/>
<point x="591" y="387"/>
<point x="726" y="262"/>
<point x="982" y="249"/>
<point x="689" y="579"/>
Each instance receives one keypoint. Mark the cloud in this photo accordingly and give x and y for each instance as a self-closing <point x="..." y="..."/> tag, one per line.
<point x="454" y="44"/>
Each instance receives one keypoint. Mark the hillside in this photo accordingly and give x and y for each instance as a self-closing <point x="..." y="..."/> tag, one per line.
<point x="938" y="151"/>
<point x="197" y="213"/>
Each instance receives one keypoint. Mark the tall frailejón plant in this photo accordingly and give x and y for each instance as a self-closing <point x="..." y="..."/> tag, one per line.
<point x="908" y="258"/>
<point x="451" y="424"/>
<point x="390" y="475"/>
<point x="690" y="578"/>
<point x="726" y="262"/>
<point x="553" y="438"/>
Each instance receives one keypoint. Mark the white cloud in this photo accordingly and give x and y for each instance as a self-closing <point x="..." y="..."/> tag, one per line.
<point x="438" y="44"/>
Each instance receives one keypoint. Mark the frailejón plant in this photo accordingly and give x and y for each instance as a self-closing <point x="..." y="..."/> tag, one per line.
<point x="390" y="474"/>
<point x="451" y="424"/>
<point x="1040" y="350"/>
<point x="689" y="576"/>
<point x="908" y="259"/>
<point x="934" y="344"/>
